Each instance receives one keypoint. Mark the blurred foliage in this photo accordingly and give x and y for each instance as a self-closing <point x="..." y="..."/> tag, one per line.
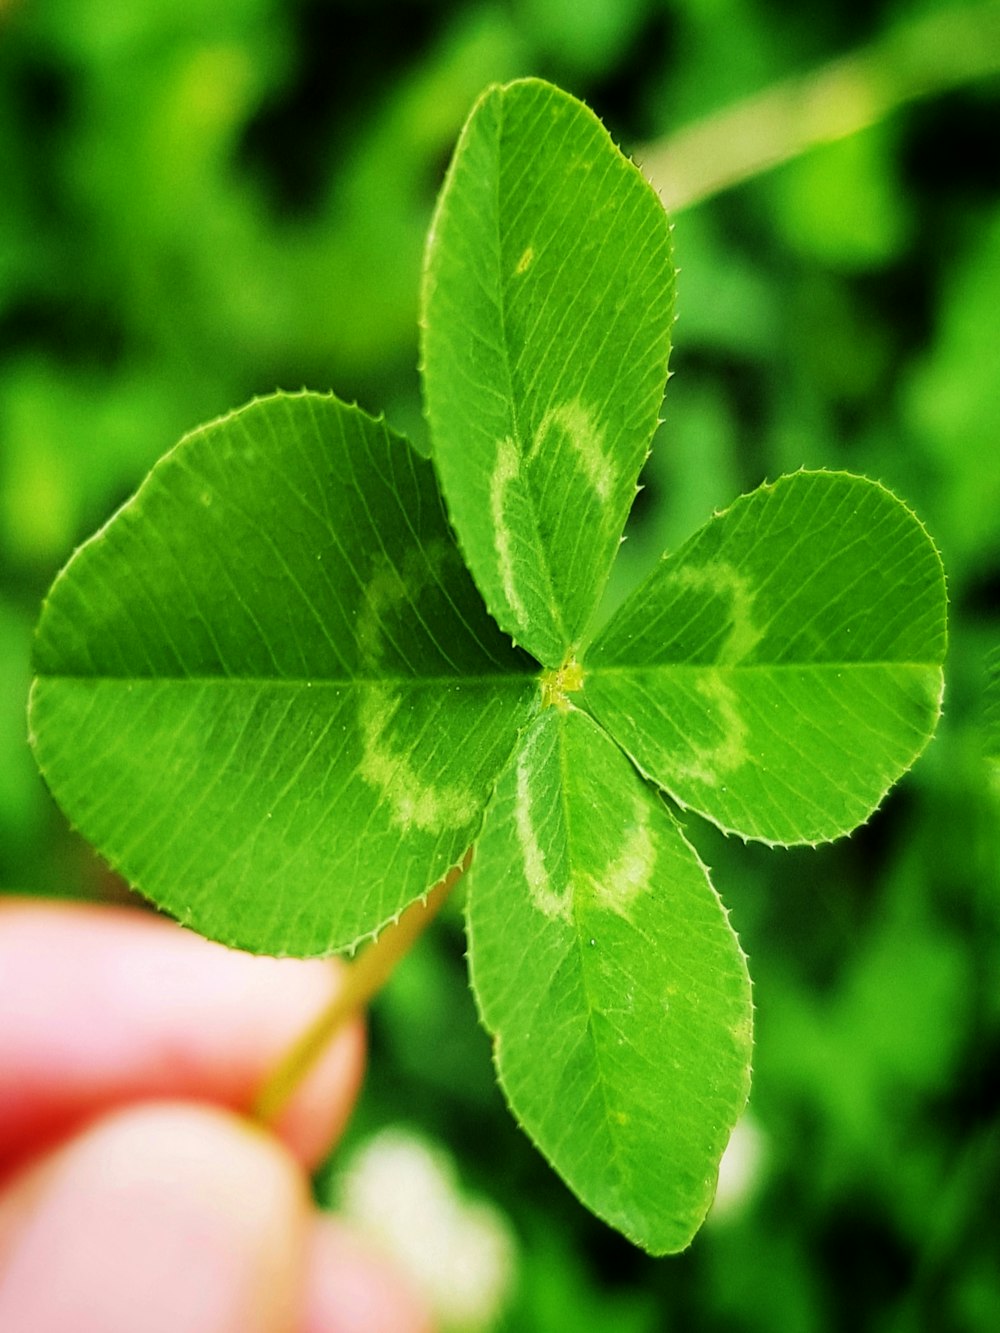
<point x="202" y="202"/>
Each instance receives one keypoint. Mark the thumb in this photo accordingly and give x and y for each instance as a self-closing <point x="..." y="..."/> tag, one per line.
<point x="158" y="1218"/>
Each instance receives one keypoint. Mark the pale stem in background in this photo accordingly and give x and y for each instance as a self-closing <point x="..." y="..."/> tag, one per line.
<point x="931" y="55"/>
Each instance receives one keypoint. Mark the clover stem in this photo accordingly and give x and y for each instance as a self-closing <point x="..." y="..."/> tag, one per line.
<point x="362" y="978"/>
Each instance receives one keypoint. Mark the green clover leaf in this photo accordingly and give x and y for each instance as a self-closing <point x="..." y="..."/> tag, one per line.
<point x="278" y="689"/>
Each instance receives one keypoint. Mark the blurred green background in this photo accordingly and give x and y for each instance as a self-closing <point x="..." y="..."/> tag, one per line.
<point x="202" y="202"/>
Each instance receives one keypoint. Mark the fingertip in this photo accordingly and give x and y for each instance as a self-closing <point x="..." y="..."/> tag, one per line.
<point x="160" y="1217"/>
<point x="115" y="1005"/>
<point x="351" y="1289"/>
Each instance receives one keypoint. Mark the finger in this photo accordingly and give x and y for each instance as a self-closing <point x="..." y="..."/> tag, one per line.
<point x="159" y="1218"/>
<point x="349" y="1289"/>
<point x="103" y="1006"/>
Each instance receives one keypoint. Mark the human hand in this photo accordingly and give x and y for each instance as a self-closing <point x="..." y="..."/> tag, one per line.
<point x="134" y="1197"/>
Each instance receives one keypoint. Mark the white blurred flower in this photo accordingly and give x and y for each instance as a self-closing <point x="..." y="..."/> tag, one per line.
<point x="740" y="1169"/>
<point x="402" y="1192"/>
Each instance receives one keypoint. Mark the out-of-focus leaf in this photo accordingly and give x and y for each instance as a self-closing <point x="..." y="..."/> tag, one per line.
<point x="953" y="405"/>
<point x="840" y="203"/>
